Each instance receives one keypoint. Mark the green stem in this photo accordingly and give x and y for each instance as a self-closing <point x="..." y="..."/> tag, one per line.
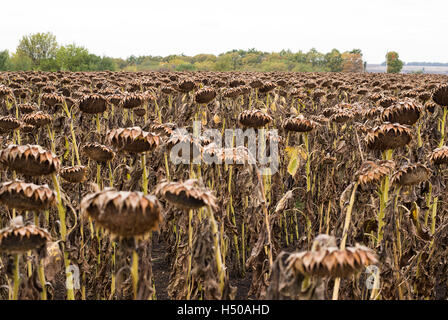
<point x="111" y="176"/>
<point x="384" y="198"/>
<point x="98" y="125"/>
<point x="63" y="231"/>
<point x="433" y="215"/>
<point x="219" y="261"/>
<point x="134" y="273"/>
<point x="144" y="175"/>
<point x="167" y="168"/>
<point x="348" y="217"/>
<point x="61" y="209"/>
<point x="42" y="280"/>
<point x="51" y="135"/>
<point x="15" y="294"/>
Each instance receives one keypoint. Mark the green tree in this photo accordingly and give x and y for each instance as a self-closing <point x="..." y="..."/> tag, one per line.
<point x="273" y="66"/>
<point x="20" y="62"/>
<point x="97" y="63"/>
<point x="37" y="47"/>
<point x="4" y="60"/>
<point x="315" y="58"/>
<point x="299" y="57"/>
<point x="356" y="51"/>
<point x="224" y="63"/>
<point x="333" y="60"/>
<point x="149" y="63"/>
<point x="107" y="63"/>
<point x="49" y="65"/>
<point x="185" y="66"/>
<point x="394" y="65"/>
<point x="302" y="67"/>
<point x="72" y="58"/>
<point x="252" y="59"/>
<point x="203" y="57"/>
<point x="120" y="63"/>
<point x="204" y="65"/>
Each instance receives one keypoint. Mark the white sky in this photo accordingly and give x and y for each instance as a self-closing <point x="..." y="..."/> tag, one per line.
<point x="417" y="30"/>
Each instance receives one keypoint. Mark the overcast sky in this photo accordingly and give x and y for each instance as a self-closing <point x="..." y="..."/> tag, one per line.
<point x="417" y="30"/>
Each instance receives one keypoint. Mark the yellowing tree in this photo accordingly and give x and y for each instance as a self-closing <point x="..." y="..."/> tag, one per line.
<point x="352" y="62"/>
<point x="394" y="65"/>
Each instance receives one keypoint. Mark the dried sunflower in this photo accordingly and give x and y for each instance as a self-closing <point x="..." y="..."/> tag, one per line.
<point x="98" y="152"/>
<point x="411" y="174"/>
<point x="341" y="116"/>
<point x="440" y="95"/>
<point x="185" y="85"/>
<point x="254" y="118"/>
<point x="133" y="140"/>
<point x="27" y="108"/>
<point x="388" y="136"/>
<point x="266" y="87"/>
<point x="115" y="99"/>
<point x="9" y="123"/>
<point x="235" y="156"/>
<point x="26" y="196"/>
<point x="19" y="238"/>
<point x="93" y="103"/>
<point x="163" y="129"/>
<point x="205" y="95"/>
<point x="124" y="214"/>
<point x="185" y="141"/>
<point x="439" y="156"/>
<point x="74" y="174"/>
<point x="330" y="261"/>
<point x="30" y="160"/>
<point x="134" y="100"/>
<point x="231" y="93"/>
<point x="52" y="99"/>
<point x="387" y="101"/>
<point x="372" y="173"/>
<point x="299" y="124"/>
<point x="27" y="128"/>
<point x="403" y="112"/>
<point x="139" y="112"/>
<point x="37" y="119"/>
<point x="187" y="194"/>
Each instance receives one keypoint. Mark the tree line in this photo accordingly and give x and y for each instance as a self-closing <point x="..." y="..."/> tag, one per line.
<point x="41" y="51"/>
<point x="250" y="60"/>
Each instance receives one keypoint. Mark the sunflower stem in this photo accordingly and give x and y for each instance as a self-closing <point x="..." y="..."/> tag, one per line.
<point x="190" y="246"/>
<point x="384" y="198"/>
<point x="111" y="176"/>
<point x="219" y="261"/>
<point x="144" y="175"/>
<point x="98" y="176"/>
<point x="308" y="163"/>
<point x="41" y="274"/>
<point x="348" y="217"/>
<point x="442" y="128"/>
<point x="134" y="273"/>
<point x="15" y="294"/>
